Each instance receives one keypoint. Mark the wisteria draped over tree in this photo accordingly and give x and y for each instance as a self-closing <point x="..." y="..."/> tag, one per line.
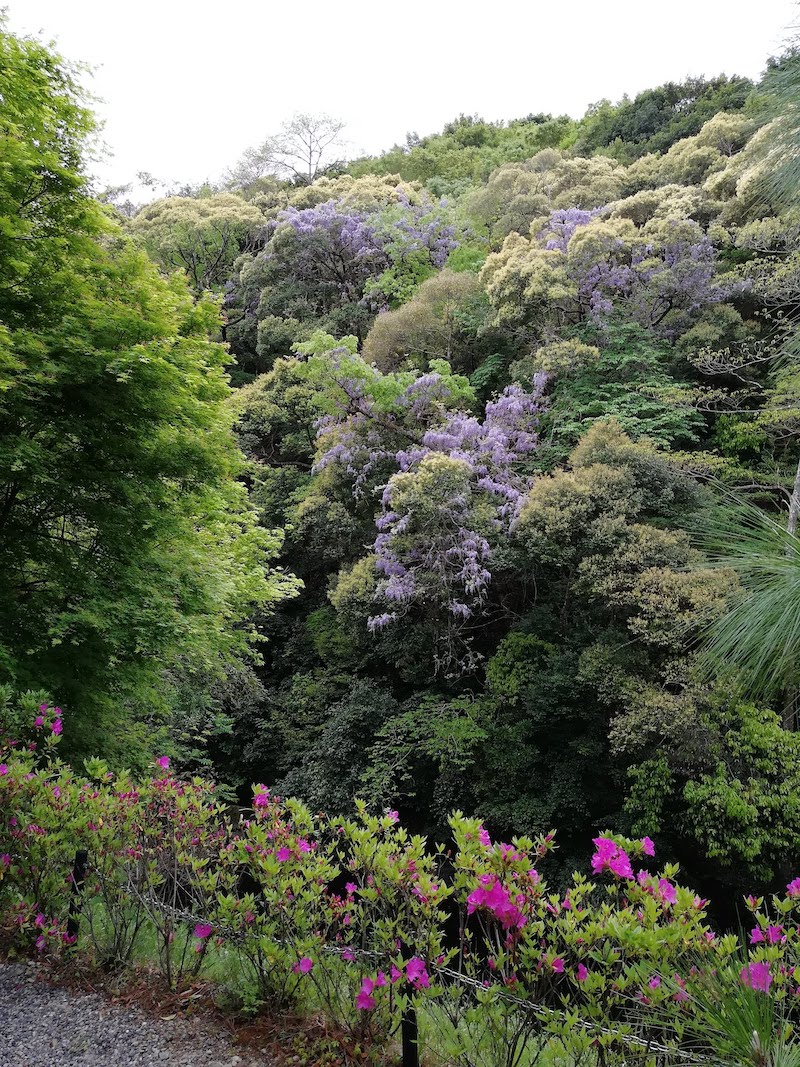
<point x="338" y="265"/>
<point x="455" y="485"/>
<point x="594" y="265"/>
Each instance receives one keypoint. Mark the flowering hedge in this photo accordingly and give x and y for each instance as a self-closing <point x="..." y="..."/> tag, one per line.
<point x="355" y="917"/>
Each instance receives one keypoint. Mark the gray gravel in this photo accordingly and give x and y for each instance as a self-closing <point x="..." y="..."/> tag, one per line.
<point x="43" y="1026"/>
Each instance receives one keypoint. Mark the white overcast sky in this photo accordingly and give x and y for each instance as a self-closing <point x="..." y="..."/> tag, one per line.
<point x="186" y="85"/>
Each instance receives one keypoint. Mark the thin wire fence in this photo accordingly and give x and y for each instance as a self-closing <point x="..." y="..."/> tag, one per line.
<point x="550" y="1017"/>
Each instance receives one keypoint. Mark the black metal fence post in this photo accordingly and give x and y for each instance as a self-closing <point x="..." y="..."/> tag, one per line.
<point x="78" y="878"/>
<point x="410" y="1035"/>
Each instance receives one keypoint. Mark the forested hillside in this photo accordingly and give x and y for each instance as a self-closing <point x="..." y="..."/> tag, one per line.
<point x="454" y="478"/>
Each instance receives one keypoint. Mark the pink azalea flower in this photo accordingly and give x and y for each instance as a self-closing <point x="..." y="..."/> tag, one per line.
<point x="351" y="887"/>
<point x="348" y="955"/>
<point x="654" y="982"/>
<point x="393" y="816"/>
<point x="283" y="854"/>
<point x="648" y="848"/>
<point x="756" y="935"/>
<point x="667" y="890"/>
<point x="775" y="935"/>
<point x="38" y="721"/>
<point x="395" y="974"/>
<point x="57" y="792"/>
<point x="163" y="762"/>
<point x="203" y="930"/>
<point x="558" y="965"/>
<point x="43" y="707"/>
<point x="610" y="857"/>
<point x="417" y="973"/>
<point x="621" y="865"/>
<point x="757" y="976"/>
<point x="486" y="841"/>
<point x="583" y="974"/>
<point x="260" y="796"/>
<point x="57" y="727"/>
<point x="5" y="859"/>
<point x="303" y="966"/>
<point x="380" y="979"/>
<point x="793" y="888"/>
<point x="364" y="1000"/>
<point x="303" y="845"/>
<point x="41" y="944"/>
<point x="3" y="769"/>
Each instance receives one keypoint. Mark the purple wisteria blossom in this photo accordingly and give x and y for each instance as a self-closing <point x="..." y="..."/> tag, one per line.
<point x="660" y="282"/>
<point x="437" y="519"/>
<point x="562" y="225"/>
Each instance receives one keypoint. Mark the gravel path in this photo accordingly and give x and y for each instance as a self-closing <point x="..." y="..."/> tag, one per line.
<point x="43" y="1026"/>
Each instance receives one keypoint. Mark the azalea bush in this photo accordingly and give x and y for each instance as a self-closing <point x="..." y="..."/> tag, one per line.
<point x="358" y="920"/>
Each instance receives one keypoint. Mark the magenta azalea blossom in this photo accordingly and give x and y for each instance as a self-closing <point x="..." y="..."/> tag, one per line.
<point x="283" y="854"/>
<point x="57" y="727"/>
<point x="621" y="865"/>
<point x="496" y="899"/>
<point x="417" y="973"/>
<point x="364" y="1000"/>
<point x="756" y="935"/>
<point x="38" y="721"/>
<point x="757" y="976"/>
<point x="303" y="966"/>
<point x="163" y="762"/>
<point x="395" y="974"/>
<point x="668" y="892"/>
<point x="610" y="857"/>
<point x="3" y="769"/>
<point x="558" y="965"/>
<point x="648" y="847"/>
<point x="203" y="930"/>
<point x="793" y="888"/>
<point x="583" y="974"/>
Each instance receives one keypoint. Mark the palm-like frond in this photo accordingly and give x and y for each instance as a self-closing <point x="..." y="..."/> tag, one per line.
<point x="760" y="634"/>
<point x="780" y="179"/>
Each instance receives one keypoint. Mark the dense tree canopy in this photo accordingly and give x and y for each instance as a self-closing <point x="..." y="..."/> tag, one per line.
<point x="500" y="393"/>
<point x="128" y="549"/>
